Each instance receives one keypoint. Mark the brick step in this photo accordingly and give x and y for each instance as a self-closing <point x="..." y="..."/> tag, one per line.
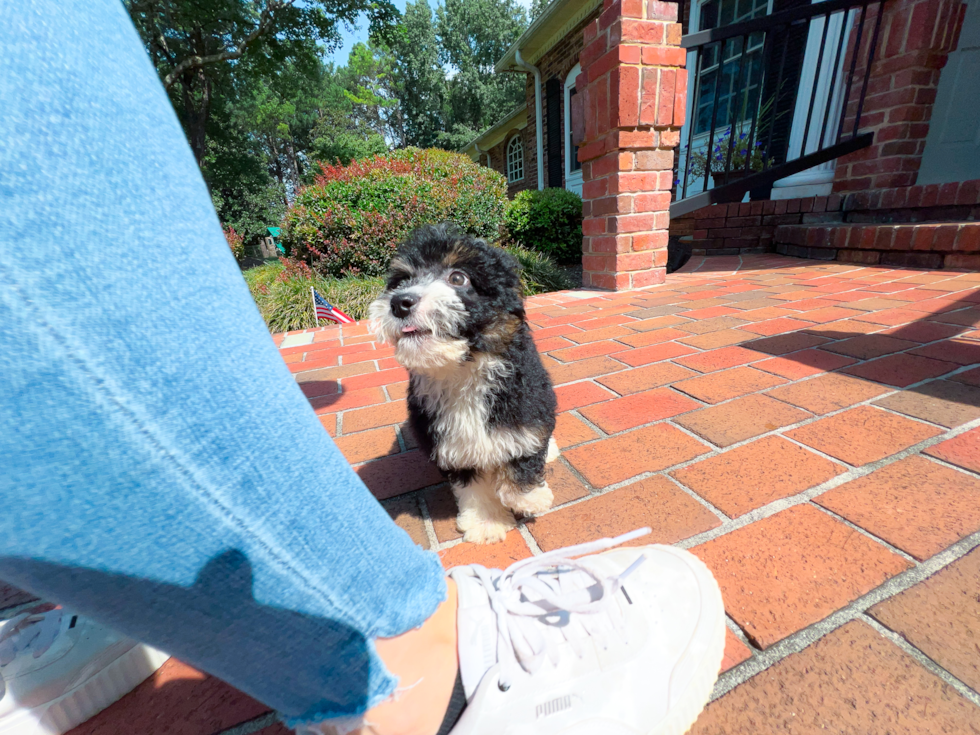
<point x="915" y="244"/>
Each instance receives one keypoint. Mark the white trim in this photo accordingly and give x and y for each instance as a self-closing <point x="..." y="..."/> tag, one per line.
<point x="819" y="180"/>
<point x="546" y="31"/>
<point x="539" y="128"/>
<point x="498" y="132"/>
<point x="515" y="163"/>
<point x="573" y="179"/>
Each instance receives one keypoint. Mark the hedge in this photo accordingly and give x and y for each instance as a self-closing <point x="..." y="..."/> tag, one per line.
<point x="352" y="218"/>
<point x="549" y="221"/>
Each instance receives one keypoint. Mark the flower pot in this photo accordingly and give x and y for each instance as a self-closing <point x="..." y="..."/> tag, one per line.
<point x="757" y="194"/>
<point x="719" y="176"/>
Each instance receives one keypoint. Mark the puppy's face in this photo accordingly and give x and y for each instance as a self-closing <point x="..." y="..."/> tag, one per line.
<point x="447" y="295"/>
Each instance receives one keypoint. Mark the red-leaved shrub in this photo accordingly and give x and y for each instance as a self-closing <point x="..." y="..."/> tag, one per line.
<point x="236" y="242"/>
<point x="352" y="218"/>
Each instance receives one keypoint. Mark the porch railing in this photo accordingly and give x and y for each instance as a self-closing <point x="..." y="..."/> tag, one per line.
<point x="773" y="96"/>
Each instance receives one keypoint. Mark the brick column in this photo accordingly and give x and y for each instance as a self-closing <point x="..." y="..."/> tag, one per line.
<point x="915" y="40"/>
<point x="627" y="120"/>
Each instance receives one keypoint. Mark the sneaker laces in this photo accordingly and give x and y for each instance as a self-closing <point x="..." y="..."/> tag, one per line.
<point x="28" y="632"/>
<point x="543" y="601"/>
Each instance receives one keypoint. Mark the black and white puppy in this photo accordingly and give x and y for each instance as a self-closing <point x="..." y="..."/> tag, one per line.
<point x="479" y="399"/>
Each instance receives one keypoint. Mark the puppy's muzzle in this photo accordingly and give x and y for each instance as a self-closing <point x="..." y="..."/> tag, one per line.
<point x="403" y="303"/>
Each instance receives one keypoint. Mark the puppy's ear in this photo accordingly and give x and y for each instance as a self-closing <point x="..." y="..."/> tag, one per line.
<point x="496" y="336"/>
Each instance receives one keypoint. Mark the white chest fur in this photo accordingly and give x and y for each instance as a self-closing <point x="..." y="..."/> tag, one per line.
<point x="457" y="402"/>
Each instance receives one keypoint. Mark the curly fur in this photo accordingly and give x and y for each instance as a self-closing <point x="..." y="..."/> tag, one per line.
<point x="480" y="401"/>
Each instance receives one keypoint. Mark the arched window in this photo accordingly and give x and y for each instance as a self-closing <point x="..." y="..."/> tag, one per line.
<point x="515" y="159"/>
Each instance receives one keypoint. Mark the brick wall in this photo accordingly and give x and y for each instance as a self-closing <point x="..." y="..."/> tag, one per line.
<point x="498" y="162"/>
<point x="556" y="63"/>
<point x="749" y="227"/>
<point x="627" y="121"/>
<point x="915" y="40"/>
<point x="933" y="226"/>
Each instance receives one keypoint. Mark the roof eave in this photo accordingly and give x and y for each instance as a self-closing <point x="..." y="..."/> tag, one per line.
<point x="502" y="126"/>
<point x="551" y="26"/>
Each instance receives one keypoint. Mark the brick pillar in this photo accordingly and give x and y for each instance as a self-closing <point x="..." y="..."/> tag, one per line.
<point x="627" y="121"/>
<point x="915" y="40"/>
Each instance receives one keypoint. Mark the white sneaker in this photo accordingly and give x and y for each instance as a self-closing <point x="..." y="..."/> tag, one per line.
<point x="58" y="669"/>
<point x="627" y="642"/>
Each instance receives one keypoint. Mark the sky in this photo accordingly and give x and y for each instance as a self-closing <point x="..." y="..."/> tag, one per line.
<point x="360" y="34"/>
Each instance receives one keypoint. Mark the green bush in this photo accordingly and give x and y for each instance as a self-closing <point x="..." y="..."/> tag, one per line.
<point x="282" y="292"/>
<point x="352" y="218"/>
<point x="539" y="273"/>
<point x="549" y="221"/>
<point x="282" y="289"/>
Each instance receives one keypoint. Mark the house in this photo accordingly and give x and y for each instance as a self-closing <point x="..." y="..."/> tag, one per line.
<point x="841" y="129"/>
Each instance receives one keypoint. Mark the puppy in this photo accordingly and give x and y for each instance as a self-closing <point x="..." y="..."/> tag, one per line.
<point x="479" y="400"/>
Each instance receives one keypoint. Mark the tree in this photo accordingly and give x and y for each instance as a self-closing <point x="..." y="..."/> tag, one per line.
<point x="473" y="35"/>
<point x="537" y="7"/>
<point x="419" y="79"/>
<point x="196" y="46"/>
<point x="357" y="112"/>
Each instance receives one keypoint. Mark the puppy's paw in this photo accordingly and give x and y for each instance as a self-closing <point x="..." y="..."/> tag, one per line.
<point x="529" y="503"/>
<point x="553" y="450"/>
<point x="488" y="532"/>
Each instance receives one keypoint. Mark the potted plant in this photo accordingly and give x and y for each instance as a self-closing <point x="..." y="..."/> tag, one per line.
<point x="746" y="157"/>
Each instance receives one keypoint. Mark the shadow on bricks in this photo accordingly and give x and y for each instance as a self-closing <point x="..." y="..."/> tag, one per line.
<point x="234" y="622"/>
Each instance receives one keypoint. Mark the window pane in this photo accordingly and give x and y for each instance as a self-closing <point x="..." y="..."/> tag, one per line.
<point x="573" y="162"/>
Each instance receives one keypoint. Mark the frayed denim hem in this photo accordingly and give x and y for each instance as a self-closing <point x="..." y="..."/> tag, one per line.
<point x="337" y="723"/>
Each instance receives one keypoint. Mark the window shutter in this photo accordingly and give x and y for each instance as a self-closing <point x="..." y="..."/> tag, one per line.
<point x="553" y="90"/>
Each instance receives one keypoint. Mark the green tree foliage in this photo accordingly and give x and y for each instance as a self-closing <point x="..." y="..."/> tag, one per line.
<point x="195" y="45"/>
<point x="261" y="107"/>
<point x="473" y="35"/>
<point x="258" y="104"/>
<point x="442" y="69"/>
<point x="419" y="79"/>
<point x="357" y="112"/>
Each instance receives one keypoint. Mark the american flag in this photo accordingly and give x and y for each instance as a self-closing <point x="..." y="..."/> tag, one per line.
<point x="324" y="310"/>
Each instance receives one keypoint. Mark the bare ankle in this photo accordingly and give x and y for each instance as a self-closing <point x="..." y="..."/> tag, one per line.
<point x="426" y="664"/>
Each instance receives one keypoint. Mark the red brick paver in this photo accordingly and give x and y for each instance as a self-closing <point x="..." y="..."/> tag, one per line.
<point x="941" y="617"/>
<point x="851" y="681"/>
<point x="718" y="409"/>
<point x="176" y="700"/>
<point x="917" y="505"/>
<point x="656" y="502"/>
<point x="790" y="570"/>
<point x="963" y="450"/>
<point x="756" y="474"/>
<point x="863" y="434"/>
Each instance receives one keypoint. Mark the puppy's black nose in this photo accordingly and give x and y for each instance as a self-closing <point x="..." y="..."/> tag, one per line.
<point x="401" y="304"/>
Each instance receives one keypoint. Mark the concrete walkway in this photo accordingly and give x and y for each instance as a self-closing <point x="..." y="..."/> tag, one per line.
<point x="810" y="430"/>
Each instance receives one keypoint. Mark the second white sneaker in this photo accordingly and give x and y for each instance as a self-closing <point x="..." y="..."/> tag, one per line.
<point x="59" y="669"/>
<point x="625" y="642"/>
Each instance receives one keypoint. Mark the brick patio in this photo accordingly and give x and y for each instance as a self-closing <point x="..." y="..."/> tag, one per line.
<point x="810" y="430"/>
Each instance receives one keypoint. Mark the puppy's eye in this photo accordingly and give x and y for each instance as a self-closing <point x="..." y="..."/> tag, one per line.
<point x="458" y="278"/>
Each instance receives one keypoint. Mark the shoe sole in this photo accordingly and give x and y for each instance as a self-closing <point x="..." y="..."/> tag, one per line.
<point x="89" y="698"/>
<point x="684" y="714"/>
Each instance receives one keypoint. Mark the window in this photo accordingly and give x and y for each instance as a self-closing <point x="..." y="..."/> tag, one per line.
<point x="715" y="14"/>
<point x="573" y="169"/>
<point x="515" y="159"/>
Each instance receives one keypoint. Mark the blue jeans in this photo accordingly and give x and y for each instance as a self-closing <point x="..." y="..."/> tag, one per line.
<point x="160" y="470"/>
